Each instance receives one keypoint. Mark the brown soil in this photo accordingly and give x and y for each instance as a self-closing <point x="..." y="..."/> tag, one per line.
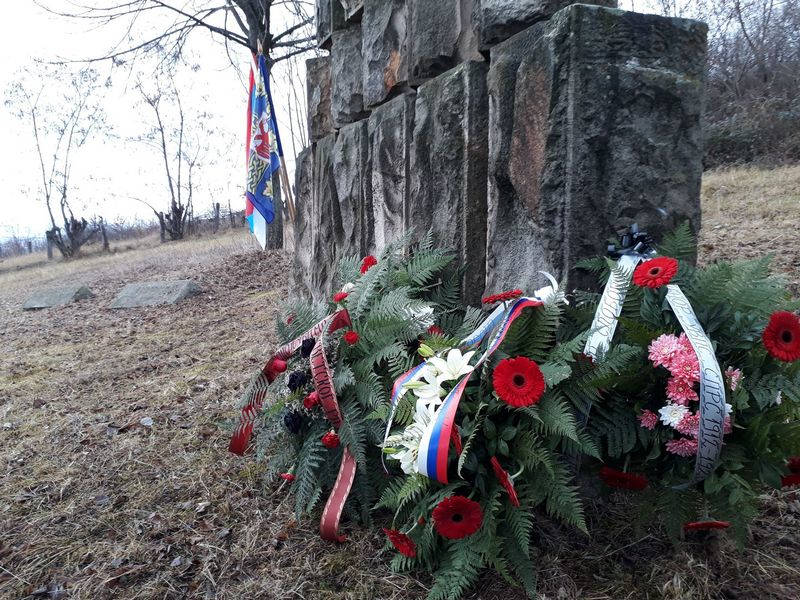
<point x="98" y="502"/>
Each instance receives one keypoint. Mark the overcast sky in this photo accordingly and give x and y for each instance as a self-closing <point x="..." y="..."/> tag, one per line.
<point x="109" y="170"/>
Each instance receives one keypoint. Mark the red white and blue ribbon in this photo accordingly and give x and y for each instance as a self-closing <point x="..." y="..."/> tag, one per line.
<point x="323" y="383"/>
<point x="434" y="447"/>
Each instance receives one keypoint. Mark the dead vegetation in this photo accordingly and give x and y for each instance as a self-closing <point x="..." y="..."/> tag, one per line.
<point x="117" y="483"/>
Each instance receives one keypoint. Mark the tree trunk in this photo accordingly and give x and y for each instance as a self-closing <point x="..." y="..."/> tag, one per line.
<point x="104" y="235"/>
<point x="30" y="247"/>
<point x="163" y="227"/>
<point x="216" y="217"/>
<point x="231" y="216"/>
<point x="49" y="249"/>
<point x="275" y="229"/>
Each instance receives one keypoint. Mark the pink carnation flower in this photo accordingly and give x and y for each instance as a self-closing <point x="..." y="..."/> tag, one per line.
<point x="726" y="425"/>
<point x="685" y="366"/>
<point x="662" y="349"/>
<point x="733" y="376"/>
<point x="682" y="447"/>
<point x="680" y="391"/>
<point x="689" y="425"/>
<point x="648" y="419"/>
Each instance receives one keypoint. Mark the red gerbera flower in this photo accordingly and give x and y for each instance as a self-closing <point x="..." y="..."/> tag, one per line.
<point x="502" y="296"/>
<point x="288" y="477"/>
<point x="435" y="330"/>
<point x="655" y="272"/>
<point x="518" y="381"/>
<point x="790" y="480"/>
<point x="620" y="479"/>
<point x="339" y="297"/>
<point x="706" y="525"/>
<point x="311" y="400"/>
<point x="368" y="262"/>
<point x="402" y="543"/>
<point x="351" y="337"/>
<point x="505" y="480"/>
<point x="330" y="439"/>
<point x="794" y="464"/>
<point x="782" y="336"/>
<point x="457" y="517"/>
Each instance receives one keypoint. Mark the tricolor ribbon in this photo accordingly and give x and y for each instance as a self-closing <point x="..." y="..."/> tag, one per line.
<point x="435" y="444"/>
<point x="323" y="384"/>
<point x="712" y="386"/>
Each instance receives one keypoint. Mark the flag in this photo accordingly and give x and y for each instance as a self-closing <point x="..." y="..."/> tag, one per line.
<point x="263" y="152"/>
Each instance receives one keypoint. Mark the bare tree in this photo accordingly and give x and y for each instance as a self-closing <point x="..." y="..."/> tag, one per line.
<point x="63" y="110"/>
<point x="245" y="23"/>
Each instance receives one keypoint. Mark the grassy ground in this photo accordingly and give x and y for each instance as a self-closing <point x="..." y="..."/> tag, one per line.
<point x="97" y="501"/>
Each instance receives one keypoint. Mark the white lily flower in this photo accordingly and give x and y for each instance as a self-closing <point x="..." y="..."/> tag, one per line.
<point x="431" y="391"/>
<point x="455" y="366"/>
<point x="348" y="287"/>
<point x="407" y="442"/>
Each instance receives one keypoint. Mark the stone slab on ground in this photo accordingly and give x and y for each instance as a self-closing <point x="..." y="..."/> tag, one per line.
<point x="57" y="296"/>
<point x="154" y="293"/>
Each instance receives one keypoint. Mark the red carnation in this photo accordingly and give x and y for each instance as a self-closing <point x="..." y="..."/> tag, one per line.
<point x="790" y="480"/>
<point x="456" y="439"/>
<point x="421" y="521"/>
<point x="457" y="517"/>
<point x="289" y="319"/>
<point x="435" y="330"/>
<point x="339" y="297"/>
<point x="402" y="543"/>
<point x="518" y="381"/>
<point x="782" y="336"/>
<point x="706" y="525"/>
<point x="368" y="262"/>
<point x="502" y="296"/>
<point x="794" y="464"/>
<point x="275" y="366"/>
<point x="620" y="479"/>
<point x="330" y="439"/>
<point x="288" y="477"/>
<point x="311" y="400"/>
<point x="351" y="337"/>
<point x="505" y="480"/>
<point x="655" y="272"/>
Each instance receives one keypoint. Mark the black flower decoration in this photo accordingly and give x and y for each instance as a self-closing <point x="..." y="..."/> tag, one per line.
<point x="307" y="347"/>
<point x="293" y="421"/>
<point x="297" y="380"/>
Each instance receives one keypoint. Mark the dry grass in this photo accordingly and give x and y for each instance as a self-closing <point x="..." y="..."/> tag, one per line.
<point x="94" y="504"/>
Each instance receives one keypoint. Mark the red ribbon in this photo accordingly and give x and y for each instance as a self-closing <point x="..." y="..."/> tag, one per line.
<point x="323" y="383"/>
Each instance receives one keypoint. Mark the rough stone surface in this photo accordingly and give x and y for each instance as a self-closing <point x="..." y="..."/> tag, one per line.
<point x="318" y="92"/>
<point x="594" y="124"/>
<point x="384" y="49"/>
<point x="435" y="28"/>
<point x="347" y="82"/>
<point x="448" y="167"/>
<point x="330" y="17"/>
<point x="57" y="296"/>
<point x="325" y="219"/>
<point x="303" y="226"/>
<point x="500" y="19"/>
<point x="153" y="293"/>
<point x="354" y="190"/>
<point x="390" y="130"/>
<point x="352" y="9"/>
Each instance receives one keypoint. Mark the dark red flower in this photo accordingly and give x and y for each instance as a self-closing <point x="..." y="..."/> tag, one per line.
<point x="402" y="543"/>
<point x="288" y="477"/>
<point x="794" y="464"/>
<point x="655" y="272"/>
<point x="782" y="336"/>
<point x="275" y="366"/>
<point x="435" y="330"/>
<point x="421" y="521"/>
<point x="456" y="439"/>
<point x="330" y="439"/>
<point x="289" y="319"/>
<point x="790" y="480"/>
<point x="502" y="296"/>
<point x="339" y="297"/>
<point x="620" y="479"/>
<point x="505" y="480"/>
<point x="311" y="400"/>
<point x="518" y="381"/>
<point x="351" y="337"/>
<point x="706" y="525"/>
<point x="457" y="517"/>
<point x="368" y="262"/>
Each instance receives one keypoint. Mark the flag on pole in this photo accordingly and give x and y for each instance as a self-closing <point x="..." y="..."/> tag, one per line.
<point x="263" y="152"/>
